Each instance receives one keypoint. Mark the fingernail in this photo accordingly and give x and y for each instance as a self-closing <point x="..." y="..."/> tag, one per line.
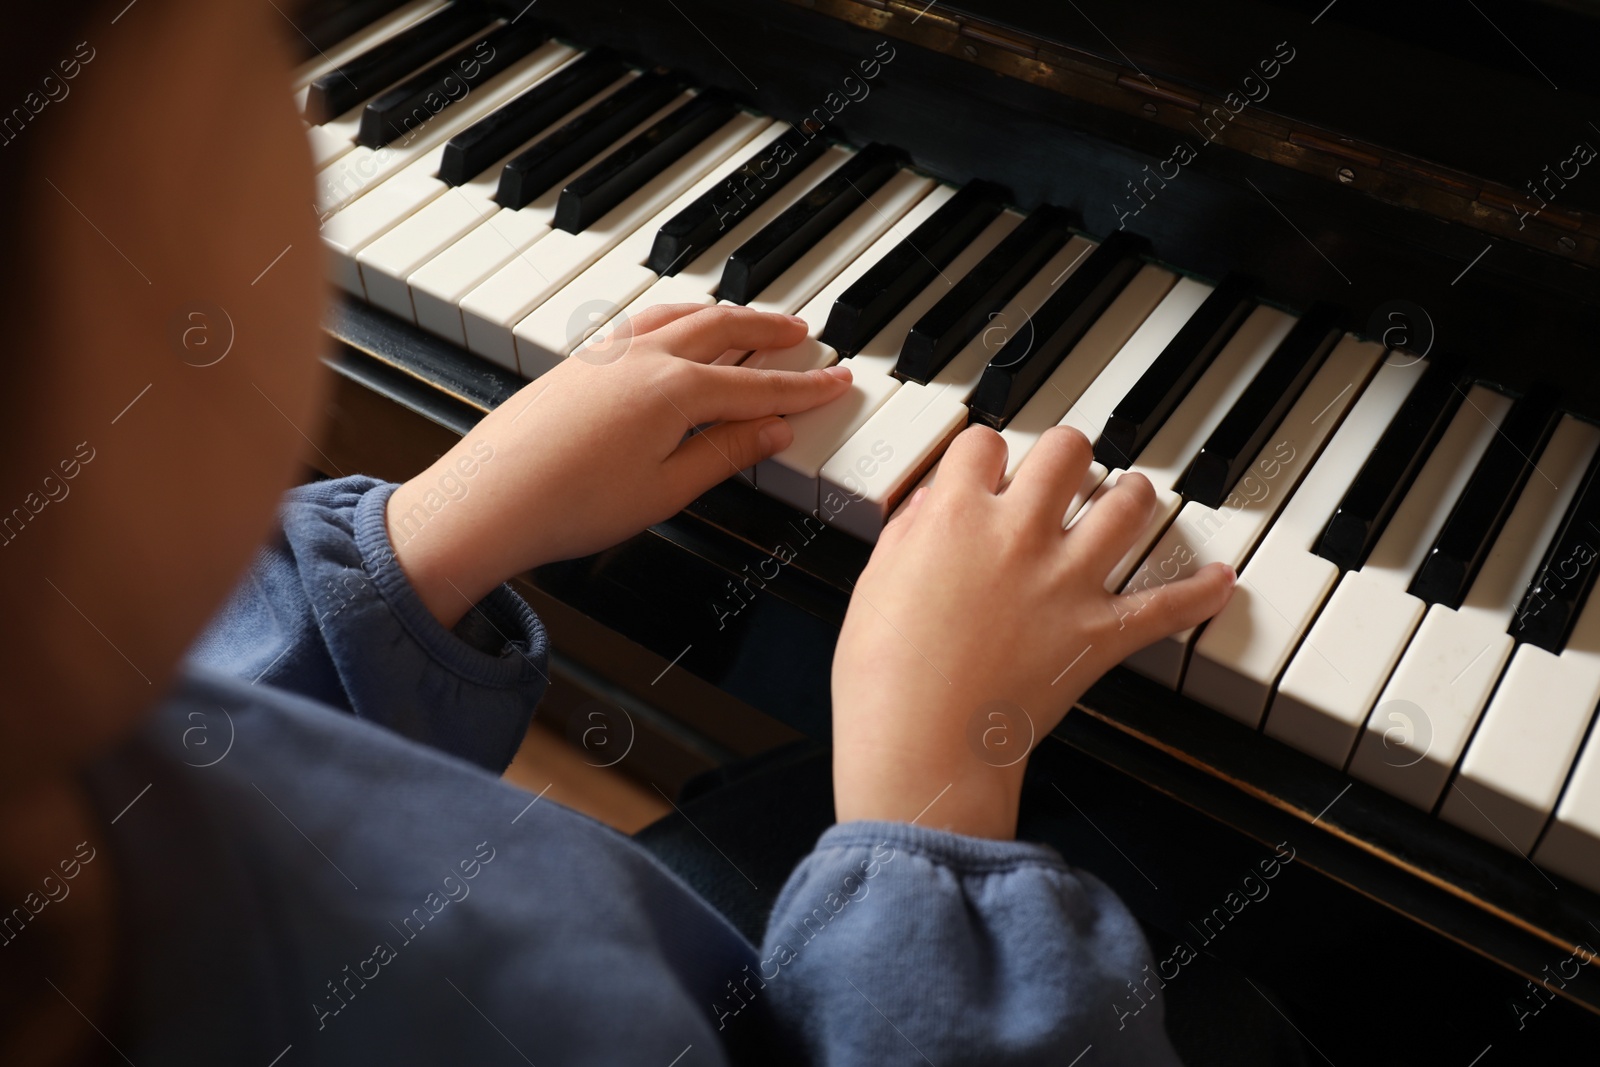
<point x="840" y="371"/>
<point x="775" y="436"/>
<point x="1233" y="575"/>
<point x="798" y="320"/>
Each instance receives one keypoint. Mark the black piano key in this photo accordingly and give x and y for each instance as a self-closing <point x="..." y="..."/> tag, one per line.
<point x="374" y="70"/>
<point x="1254" y="417"/>
<point x="701" y="224"/>
<point x="470" y="152"/>
<point x="323" y="25"/>
<point x="955" y="320"/>
<point x="622" y="173"/>
<point x="1028" y="358"/>
<point x="758" y="261"/>
<point x="531" y="174"/>
<point x="1138" y="416"/>
<point x="1387" y="475"/>
<point x="401" y="111"/>
<point x="910" y="267"/>
<point x="1565" y="577"/>
<point x="1476" y="519"/>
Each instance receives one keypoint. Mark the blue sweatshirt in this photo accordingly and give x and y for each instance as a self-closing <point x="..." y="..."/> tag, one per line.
<point x="318" y="864"/>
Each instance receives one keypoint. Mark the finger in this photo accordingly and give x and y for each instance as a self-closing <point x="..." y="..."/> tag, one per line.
<point x="708" y="332"/>
<point x="1159" y="610"/>
<point x="895" y="532"/>
<point x="717" y="394"/>
<point x="621" y="329"/>
<point x="975" y="459"/>
<point x="1109" y="526"/>
<point x="658" y="315"/>
<point x="1051" y="474"/>
<point x="721" y="451"/>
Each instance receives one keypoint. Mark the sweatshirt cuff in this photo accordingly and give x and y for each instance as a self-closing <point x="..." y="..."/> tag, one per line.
<point x="957" y="851"/>
<point x="499" y="643"/>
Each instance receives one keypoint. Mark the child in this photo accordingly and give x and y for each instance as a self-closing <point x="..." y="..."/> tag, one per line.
<point x="280" y="838"/>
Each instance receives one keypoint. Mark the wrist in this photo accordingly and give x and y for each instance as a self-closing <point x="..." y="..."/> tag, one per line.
<point x="959" y="793"/>
<point x="436" y="559"/>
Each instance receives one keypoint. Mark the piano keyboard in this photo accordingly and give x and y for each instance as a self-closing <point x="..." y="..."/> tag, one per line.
<point x="1415" y="550"/>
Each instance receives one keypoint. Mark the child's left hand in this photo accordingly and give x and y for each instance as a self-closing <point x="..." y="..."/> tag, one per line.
<point x="594" y="450"/>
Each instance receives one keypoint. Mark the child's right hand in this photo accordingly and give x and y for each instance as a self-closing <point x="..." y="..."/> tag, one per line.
<point x="979" y="622"/>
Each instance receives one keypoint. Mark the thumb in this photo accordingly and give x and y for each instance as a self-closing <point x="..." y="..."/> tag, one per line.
<point x="900" y="522"/>
<point x="723" y="450"/>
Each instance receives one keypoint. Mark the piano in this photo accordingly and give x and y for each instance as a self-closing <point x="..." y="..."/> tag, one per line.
<point x="1352" y="347"/>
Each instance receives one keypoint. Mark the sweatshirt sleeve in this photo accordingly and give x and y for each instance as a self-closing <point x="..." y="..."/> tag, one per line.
<point x="897" y="944"/>
<point x="326" y="611"/>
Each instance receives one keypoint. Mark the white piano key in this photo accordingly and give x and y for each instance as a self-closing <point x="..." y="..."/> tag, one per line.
<point x="387" y="261"/>
<point x="1095" y="399"/>
<point x="884" y="457"/>
<point x="839" y="250"/>
<point x="360" y="169"/>
<point x="966" y="366"/>
<point x="882" y="461"/>
<point x="590" y="301"/>
<point x="1087" y="397"/>
<point x="696" y="283"/>
<point x="1518" y="761"/>
<point x="580" y="315"/>
<point x="1417" y="520"/>
<point x="1510" y="565"/>
<point x="363" y="169"/>
<point x="335" y="138"/>
<point x="1168" y="455"/>
<point x="880" y="354"/>
<point x="705" y="270"/>
<point x="1101" y="392"/>
<point x="816" y="310"/>
<point x="1445" y="676"/>
<point x="1334" y="679"/>
<point x="842" y="245"/>
<point x="337" y="135"/>
<point x="439" y="285"/>
<point x="1118" y="348"/>
<point x="811" y="352"/>
<point x="794" y="472"/>
<point x="1433" y="697"/>
<point x="368" y="191"/>
<point x="1130" y="334"/>
<point x="492" y="310"/>
<point x="1201" y="535"/>
<point x="347" y="232"/>
<point x="792" y="475"/>
<point x="1555" y="701"/>
<point x="1247" y="645"/>
<point x="327" y="144"/>
<point x="563" y="323"/>
<point x="664" y="291"/>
